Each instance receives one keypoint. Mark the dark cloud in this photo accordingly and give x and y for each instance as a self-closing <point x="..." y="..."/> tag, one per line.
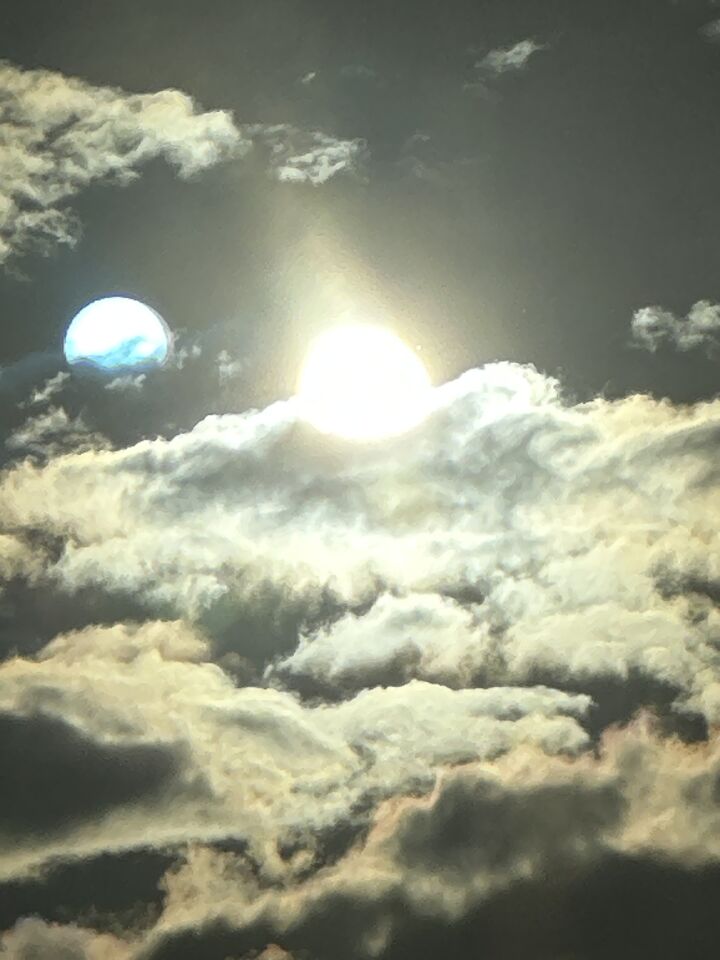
<point x="57" y="775"/>
<point x="28" y="372"/>
<point x="626" y="906"/>
<point x="32" y="612"/>
<point x="108" y="892"/>
<point x="476" y="825"/>
<point x="524" y="860"/>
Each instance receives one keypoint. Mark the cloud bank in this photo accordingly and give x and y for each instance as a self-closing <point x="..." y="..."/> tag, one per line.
<point x="366" y="700"/>
<point x="507" y="526"/>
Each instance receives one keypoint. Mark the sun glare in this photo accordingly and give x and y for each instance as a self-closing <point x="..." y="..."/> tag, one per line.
<point x="363" y="383"/>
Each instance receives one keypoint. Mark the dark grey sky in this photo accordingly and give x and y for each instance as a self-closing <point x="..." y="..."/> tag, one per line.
<point x="269" y="695"/>
<point x="583" y="189"/>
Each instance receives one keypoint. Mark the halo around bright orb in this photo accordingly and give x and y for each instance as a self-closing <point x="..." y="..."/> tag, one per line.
<point x="363" y="383"/>
<point x="117" y="333"/>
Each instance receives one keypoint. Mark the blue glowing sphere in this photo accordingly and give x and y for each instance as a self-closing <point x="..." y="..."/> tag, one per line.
<point x="117" y="333"/>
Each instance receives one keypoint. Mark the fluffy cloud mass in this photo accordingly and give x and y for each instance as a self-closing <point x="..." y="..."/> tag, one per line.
<point x="483" y="544"/>
<point x="357" y="700"/>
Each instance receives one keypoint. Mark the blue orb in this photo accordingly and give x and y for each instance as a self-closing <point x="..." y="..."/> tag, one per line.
<point x="117" y="333"/>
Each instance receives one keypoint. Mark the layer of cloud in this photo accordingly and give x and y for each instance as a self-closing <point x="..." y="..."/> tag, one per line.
<point x="319" y="735"/>
<point x="653" y="327"/>
<point x="528" y="834"/>
<point x="151" y="744"/>
<point x="546" y="522"/>
<point x="451" y="866"/>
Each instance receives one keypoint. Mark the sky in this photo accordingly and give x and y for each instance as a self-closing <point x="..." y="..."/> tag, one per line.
<point x="270" y="694"/>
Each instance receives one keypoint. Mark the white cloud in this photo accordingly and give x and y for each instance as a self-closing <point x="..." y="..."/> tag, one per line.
<point x="127" y="383"/>
<point x="48" y="389"/>
<point x="510" y="59"/>
<point x="654" y="326"/>
<point x="421" y="635"/>
<point x="300" y="156"/>
<point x="17" y="557"/>
<point x="425" y="159"/>
<point x="359" y="71"/>
<point x="228" y="368"/>
<point x="58" y="134"/>
<point x="184" y="353"/>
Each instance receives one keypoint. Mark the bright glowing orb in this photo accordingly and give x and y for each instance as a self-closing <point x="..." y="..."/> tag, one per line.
<point x="117" y="333"/>
<point x="363" y="383"/>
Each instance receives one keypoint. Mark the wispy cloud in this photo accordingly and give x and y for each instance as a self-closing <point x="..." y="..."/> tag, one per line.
<point x="132" y="383"/>
<point x="301" y="156"/>
<point x="50" y="388"/>
<point x="59" y="134"/>
<point x="711" y="31"/>
<point x="50" y="433"/>
<point x="510" y="59"/>
<point x="228" y="367"/>
<point x="425" y="158"/>
<point x="359" y="71"/>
